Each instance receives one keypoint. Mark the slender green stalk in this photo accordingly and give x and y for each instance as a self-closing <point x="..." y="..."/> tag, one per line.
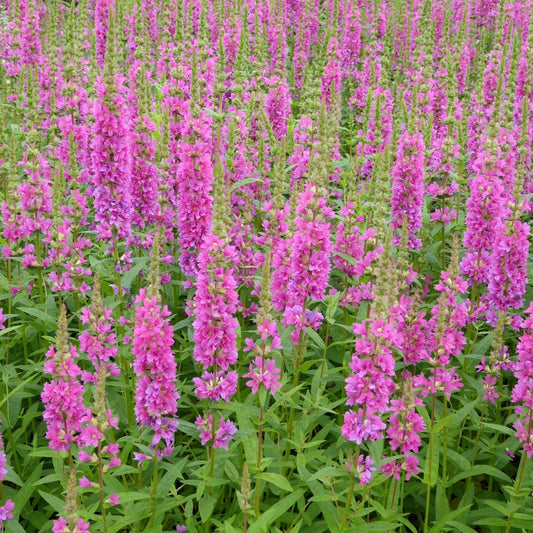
<point x="155" y="481"/>
<point x="101" y="484"/>
<point x="523" y="461"/>
<point x="346" y="514"/>
<point x="259" y="455"/>
<point x="444" y="457"/>
<point x="430" y="463"/>
<point x="348" y="505"/>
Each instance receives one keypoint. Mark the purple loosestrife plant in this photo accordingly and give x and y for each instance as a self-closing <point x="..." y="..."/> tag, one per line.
<point x="194" y="184"/>
<point x="215" y="303"/>
<point x="64" y="414"/>
<point x="154" y="364"/>
<point x="100" y="344"/>
<point x="408" y="186"/>
<point x="111" y="154"/>
<point x="62" y="397"/>
<point x="309" y="261"/>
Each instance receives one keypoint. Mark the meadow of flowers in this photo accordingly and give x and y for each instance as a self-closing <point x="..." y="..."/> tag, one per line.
<point x="264" y="266"/>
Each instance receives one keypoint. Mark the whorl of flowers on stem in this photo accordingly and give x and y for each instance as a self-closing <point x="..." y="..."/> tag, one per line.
<point x="154" y="364"/>
<point x="263" y="371"/>
<point x="523" y="390"/>
<point x="101" y="18"/>
<point x="215" y="303"/>
<point x="404" y="428"/>
<point x="309" y="260"/>
<point x="486" y="207"/>
<point x="508" y="263"/>
<point x="194" y="185"/>
<point x="278" y="105"/>
<point x="111" y="156"/>
<point x="100" y="343"/>
<point x="71" y="522"/>
<point x="371" y="384"/>
<point x="448" y="318"/>
<point x="498" y="361"/>
<point x="62" y="397"/>
<point x="408" y="186"/>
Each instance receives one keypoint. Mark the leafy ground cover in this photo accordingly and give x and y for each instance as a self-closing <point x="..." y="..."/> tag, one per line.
<point x="264" y="266"/>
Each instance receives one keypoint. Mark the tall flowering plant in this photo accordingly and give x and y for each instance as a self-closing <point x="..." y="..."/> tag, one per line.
<point x="215" y="303"/>
<point x="64" y="414"/>
<point x="154" y="365"/>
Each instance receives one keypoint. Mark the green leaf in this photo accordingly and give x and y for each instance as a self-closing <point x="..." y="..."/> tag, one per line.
<point x="498" y="506"/>
<point x="133" y="516"/>
<point x="244" y="182"/>
<point x="132" y="496"/>
<point x="459" y="526"/>
<point x="273" y="513"/>
<point x="133" y="272"/>
<point x="316" y="337"/>
<point x="499" y="428"/>
<point x="442" y="423"/>
<point x="378" y="525"/>
<point x="206" y="506"/>
<point x="9" y="330"/>
<point x="348" y="258"/>
<point x="56" y="503"/>
<point x="276" y="479"/>
<point x="45" y="317"/>
<point x="480" y="470"/>
<point x="24" y="493"/>
<point x="439" y="526"/>
<point x="491" y="521"/>
<point x="483" y="345"/>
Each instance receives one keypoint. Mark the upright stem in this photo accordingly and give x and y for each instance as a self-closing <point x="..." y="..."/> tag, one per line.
<point x="348" y="505"/>
<point x="322" y="368"/>
<point x="444" y="456"/>
<point x="428" y="490"/>
<point x="155" y="480"/>
<point x="476" y="443"/>
<point x="259" y="455"/>
<point x="295" y="382"/>
<point x="393" y="502"/>
<point x="101" y="483"/>
<point x="523" y="461"/>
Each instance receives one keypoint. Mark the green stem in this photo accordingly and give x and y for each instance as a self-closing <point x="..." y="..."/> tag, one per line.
<point x="324" y="359"/>
<point x="444" y="456"/>
<point x="348" y="505"/>
<point x="393" y="501"/>
<point x="428" y="490"/>
<point x="523" y="461"/>
<point x="101" y="483"/>
<point x="478" y="435"/>
<point x="259" y="454"/>
<point x="155" y="481"/>
<point x="295" y="382"/>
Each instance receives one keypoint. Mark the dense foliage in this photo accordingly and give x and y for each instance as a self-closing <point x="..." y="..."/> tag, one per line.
<point x="264" y="265"/>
